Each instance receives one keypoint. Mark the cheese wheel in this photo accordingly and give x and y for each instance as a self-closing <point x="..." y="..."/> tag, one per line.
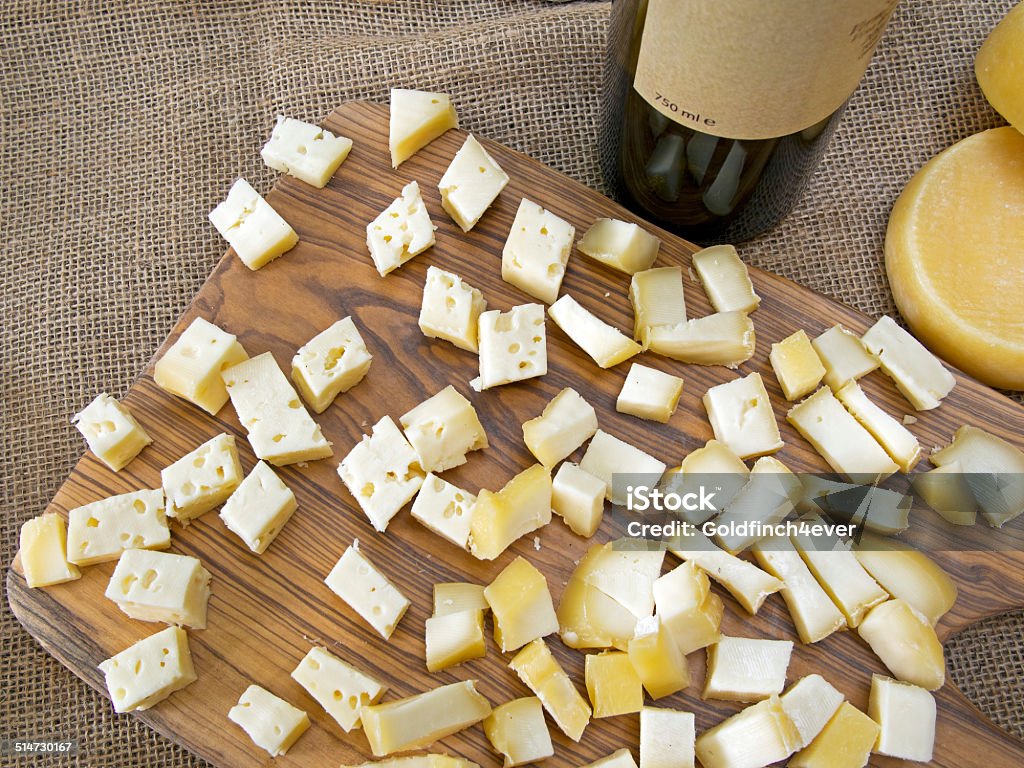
<point x="999" y="67"/>
<point x="954" y="252"/>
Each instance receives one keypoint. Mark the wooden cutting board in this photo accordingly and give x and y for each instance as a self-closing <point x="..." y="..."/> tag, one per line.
<point x="266" y="611"/>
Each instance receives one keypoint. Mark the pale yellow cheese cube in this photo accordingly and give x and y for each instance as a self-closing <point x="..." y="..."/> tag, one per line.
<point x="332" y="362"/>
<point x="111" y="431"/>
<point x="43" y="554"/>
<point x="905" y="714"/>
<point x="149" y="671"/>
<point x="451" y="309"/>
<point x="741" y="416"/>
<point x="620" y="758"/>
<point x="769" y="496"/>
<point x="308" y="152"/>
<point x="102" y="530"/>
<point x="587" y="617"/>
<point x="621" y="245"/>
<point x="443" y="429"/>
<point x="906" y="643"/>
<point x="161" y="586"/>
<point x="759" y="735"/>
<point x="908" y="575"/>
<point x="846" y="741"/>
<point x="513" y="346"/>
<point x="656" y="657"/>
<point x="455" y="596"/>
<point x="797" y="366"/>
<point x="271" y="722"/>
<point x="578" y="498"/>
<point x="499" y="518"/>
<point x="606" y="345"/>
<point x="626" y="575"/>
<point x="810" y="703"/>
<point x="400" y="231"/>
<point x="843" y="355"/>
<point x="202" y="479"/>
<point x="338" y="687"/>
<point x="746" y="669"/>
<point x="649" y="393"/>
<point x="725" y="278"/>
<point x="917" y="373"/>
<point x="567" y="422"/>
<point x="417" y="118"/>
<point x="666" y="738"/>
<point x="367" y="591"/>
<point x="259" y="508"/>
<point x="613" y="685"/>
<point x="521" y="605"/>
<point x="542" y="674"/>
<point x="744" y="581"/>
<point x="453" y="638"/>
<point x="690" y="611"/>
<point x="658" y="299"/>
<point x="714" y="464"/>
<point x="252" y="227"/>
<point x="608" y="456"/>
<point x="445" y="509"/>
<point x="946" y="489"/>
<point x="895" y="438"/>
<point x="724" y="338"/>
<point x="470" y="184"/>
<point x="191" y="367"/>
<point x="536" y="251"/>
<point x="517" y="731"/>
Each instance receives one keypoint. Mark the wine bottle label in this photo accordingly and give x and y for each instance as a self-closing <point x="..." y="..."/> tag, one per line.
<point x="747" y="69"/>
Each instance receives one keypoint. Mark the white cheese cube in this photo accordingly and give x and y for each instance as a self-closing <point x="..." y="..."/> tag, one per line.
<point x="566" y="423"/>
<point x="810" y="704"/>
<point x="160" y="586"/>
<point x="259" y="508"/>
<point x="797" y="366"/>
<point x="111" y="431"/>
<point x="760" y="735"/>
<point x="726" y="280"/>
<point x="513" y="346"/>
<point x="254" y="229"/>
<point x="621" y="245"/>
<point x="666" y="738"/>
<point x="742" y="417"/>
<point x="607" y="346"/>
<point x="271" y="722"/>
<point x="895" y="438"/>
<point x="608" y="456"/>
<point x="457" y="596"/>
<point x="308" y="152"/>
<point x="367" y="591"/>
<point x="648" y="393"/>
<point x="332" y="362"/>
<point x="451" y="309"/>
<point x="453" y="638"/>
<point x="843" y="355"/>
<point x="917" y="373"/>
<point x="578" y="497"/>
<point x="149" y="671"/>
<point x="746" y="669"/>
<point x="43" y="554"/>
<point x="102" y="530"/>
<point x="382" y="472"/>
<point x="724" y="338"/>
<point x="536" y="251"/>
<point x="443" y="429"/>
<point x="281" y="431"/>
<point x="658" y="299"/>
<point x="401" y="231"/>
<point x="471" y="183"/>
<point x="338" y="687"/>
<point x="906" y="716"/>
<point x="627" y="577"/>
<point x="517" y="730"/>
<point x="445" y="509"/>
<point x="417" y="118"/>
<point x="191" y="367"/>
<point x="202" y="479"/>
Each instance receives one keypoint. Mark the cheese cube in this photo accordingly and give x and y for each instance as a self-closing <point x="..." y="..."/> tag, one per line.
<point x="451" y="309"/>
<point x="517" y="730"/>
<point x="513" y="346"/>
<point x="906" y="643"/>
<point x="627" y="576"/>
<point x="521" y="605"/>
<point x="744" y="580"/>
<point x="332" y="362"/>
<point x="191" y="367"/>
<point x="986" y="458"/>
<point x="420" y="720"/>
<point x="566" y="423"/>
<point x="607" y="346"/>
<point x="536" y="251"/>
<point x="308" y="152"/>
<point x="418" y="761"/>
<point x="417" y="118"/>
<point x="453" y="638"/>
<point x="149" y="671"/>
<point x="690" y="611"/>
<point x="382" y="472"/>
<point x="657" y="298"/>
<point x="543" y="675"/>
<point x="649" y="393"/>
<point x="455" y="596"/>
<point x="621" y="245"/>
<point x="160" y="586"/>
<point x="281" y="431"/>
<point x="400" y="231"/>
<point x="578" y="497"/>
<point x="714" y="458"/>
<point x="471" y="183"/>
<point x="337" y="686"/>
<point x="726" y="280"/>
<point x="271" y="722"/>
<point x="845" y="742"/>
<point x="769" y="496"/>
<point x="906" y="718"/>
<point x="367" y="591"/>
<point x="613" y="685"/>
<point x="111" y="431"/>
<point x="102" y="530"/>
<point x="608" y="456"/>
<point x="759" y="735"/>
<point x="657" y="659"/>
<point x="895" y="438"/>
<point x="445" y="509"/>
<point x="908" y="575"/>
<point x="587" y="617"/>
<point x="946" y="490"/>
<point x="666" y="738"/>
<point x="522" y="506"/>
<point x="443" y="429"/>
<point x="797" y="366"/>
<point x="620" y="758"/>
<point x="742" y="417"/>
<point x="724" y="338"/>
<point x="259" y="508"/>
<point x="917" y="373"/>
<point x="254" y="229"/>
<point x="843" y="355"/>
<point x="202" y="479"/>
<point x="746" y="669"/>
<point x="810" y="704"/>
<point x="43" y="554"/>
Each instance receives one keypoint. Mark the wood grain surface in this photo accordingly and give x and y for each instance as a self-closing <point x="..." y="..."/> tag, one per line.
<point x="266" y="611"/>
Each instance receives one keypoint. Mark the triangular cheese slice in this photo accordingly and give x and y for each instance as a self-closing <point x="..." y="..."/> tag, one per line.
<point x="417" y="118"/>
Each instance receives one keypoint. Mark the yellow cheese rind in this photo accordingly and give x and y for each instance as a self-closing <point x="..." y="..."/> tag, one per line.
<point x="499" y="518"/>
<point x="590" y="618"/>
<point x="149" y="671"/>
<point x="621" y="758"/>
<point x="621" y="245"/>
<point x="111" y="432"/>
<point x="906" y="716"/>
<point x="656" y="657"/>
<point x="946" y="490"/>
<point x="810" y="703"/>
<point x="191" y="367"/>
<point x="613" y="684"/>
<point x="691" y="613"/>
<point x="907" y="574"/>
<point x="906" y="643"/>
<point x="726" y="280"/>
<point x="341" y="689"/>
<point x="521" y="605"/>
<point x="517" y="731"/>
<point x="271" y="722"/>
<point x="846" y="741"/>
<point x="417" y="118"/>
<point x="543" y="675"/>
<point x="43" y="551"/>
<point x="797" y="366"/>
<point x="999" y="67"/>
<point x="455" y="596"/>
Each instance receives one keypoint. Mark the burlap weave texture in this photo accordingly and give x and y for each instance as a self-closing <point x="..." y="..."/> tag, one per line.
<point x="124" y="123"/>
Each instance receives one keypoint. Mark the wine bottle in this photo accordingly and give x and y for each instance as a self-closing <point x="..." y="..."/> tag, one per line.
<point x="715" y="113"/>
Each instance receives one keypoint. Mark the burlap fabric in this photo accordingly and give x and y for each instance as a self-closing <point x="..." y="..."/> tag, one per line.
<point x="124" y="123"/>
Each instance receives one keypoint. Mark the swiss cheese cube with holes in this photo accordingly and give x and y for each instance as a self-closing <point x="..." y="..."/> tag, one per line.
<point x="338" y="687"/>
<point x="451" y="309"/>
<point x="103" y="529"/>
<point x="330" y="363"/>
<point x="401" y="231"/>
<point x="513" y="346"/>
<point x="471" y="183"/>
<point x="254" y="229"/>
<point x="161" y="586"/>
<point x="271" y="722"/>
<point x="367" y="591"/>
<point x="443" y="429"/>
<point x="259" y="508"/>
<point x="111" y="431"/>
<point x="536" y="251"/>
<point x="149" y="671"/>
<point x="445" y="509"/>
<point x="202" y="479"/>
<point x="307" y="152"/>
<point x="191" y="367"/>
